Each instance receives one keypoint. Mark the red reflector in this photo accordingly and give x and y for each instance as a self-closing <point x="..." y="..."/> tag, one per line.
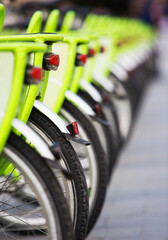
<point x="51" y="61"/>
<point x="33" y="75"/>
<point x="102" y="49"/>
<point x="54" y="60"/>
<point x="98" y="110"/>
<point x="75" y="128"/>
<point x="83" y="58"/>
<point x="80" y="59"/>
<point x="36" y="73"/>
<point x="91" y="53"/>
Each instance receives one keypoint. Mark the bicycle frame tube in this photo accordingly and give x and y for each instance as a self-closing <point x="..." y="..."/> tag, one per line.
<point x="78" y="81"/>
<point x="52" y="21"/>
<point x="68" y="21"/>
<point x="35" y="23"/>
<point x="78" y="70"/>
<point x="2" y="16"/>
<point x="88" y="68"/>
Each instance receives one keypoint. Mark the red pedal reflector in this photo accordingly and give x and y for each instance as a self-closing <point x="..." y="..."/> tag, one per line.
<point x="51" y="61"/>
<point x="91" y="53"/>
<point x="73" y="128"/>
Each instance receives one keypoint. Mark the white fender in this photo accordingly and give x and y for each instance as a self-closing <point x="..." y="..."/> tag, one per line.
<point x="91" y="90"/>
<point x="118" y="71"/>
<point x="34" y="138"/>
<point x="78" y="101"/>
<point x="127" y="61"/>
<point x="103" y="81"/>
<point x="58" y="122"/>
<point x="51" y="115"/>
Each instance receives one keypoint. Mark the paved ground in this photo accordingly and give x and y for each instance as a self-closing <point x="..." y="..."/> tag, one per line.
<point x="136" y="206"/>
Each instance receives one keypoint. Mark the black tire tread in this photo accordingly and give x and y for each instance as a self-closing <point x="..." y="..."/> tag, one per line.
<point x="108" y="132"/>
<point x="47" y="126"/>
<point x="32" y="157"/>
<point x="101" y="162"/>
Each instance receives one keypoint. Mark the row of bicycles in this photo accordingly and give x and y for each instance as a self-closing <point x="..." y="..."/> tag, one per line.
<point x="70" y="87"/>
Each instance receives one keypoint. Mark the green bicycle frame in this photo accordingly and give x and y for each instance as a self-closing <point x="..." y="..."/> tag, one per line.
<point x="115" y="30"/>
<point x="33" y="91"/>
<point x="60" y="80"/>
<point x="2" y="16"/>
<point x="12" y="80"/>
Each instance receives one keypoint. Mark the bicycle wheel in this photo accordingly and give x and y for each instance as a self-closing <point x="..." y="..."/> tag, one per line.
<point x="31" y="201"/>
<point x="111" y="133"/>
<point x="122" y="102"/>
<point x="92" y="160"/>
<point x="75" y="189"/>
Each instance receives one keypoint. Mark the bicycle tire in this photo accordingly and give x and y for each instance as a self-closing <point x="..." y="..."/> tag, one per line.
<point x="37" y="166"/>
<point x="123" y="106"/>
<point x="92" y="136"/>
<point x="54" y="134"/>
<point x="111" y="132"/>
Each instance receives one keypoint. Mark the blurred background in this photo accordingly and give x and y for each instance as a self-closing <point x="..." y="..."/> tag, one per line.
<point x="150" y="11"/>
<point x="138" y="192"/>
